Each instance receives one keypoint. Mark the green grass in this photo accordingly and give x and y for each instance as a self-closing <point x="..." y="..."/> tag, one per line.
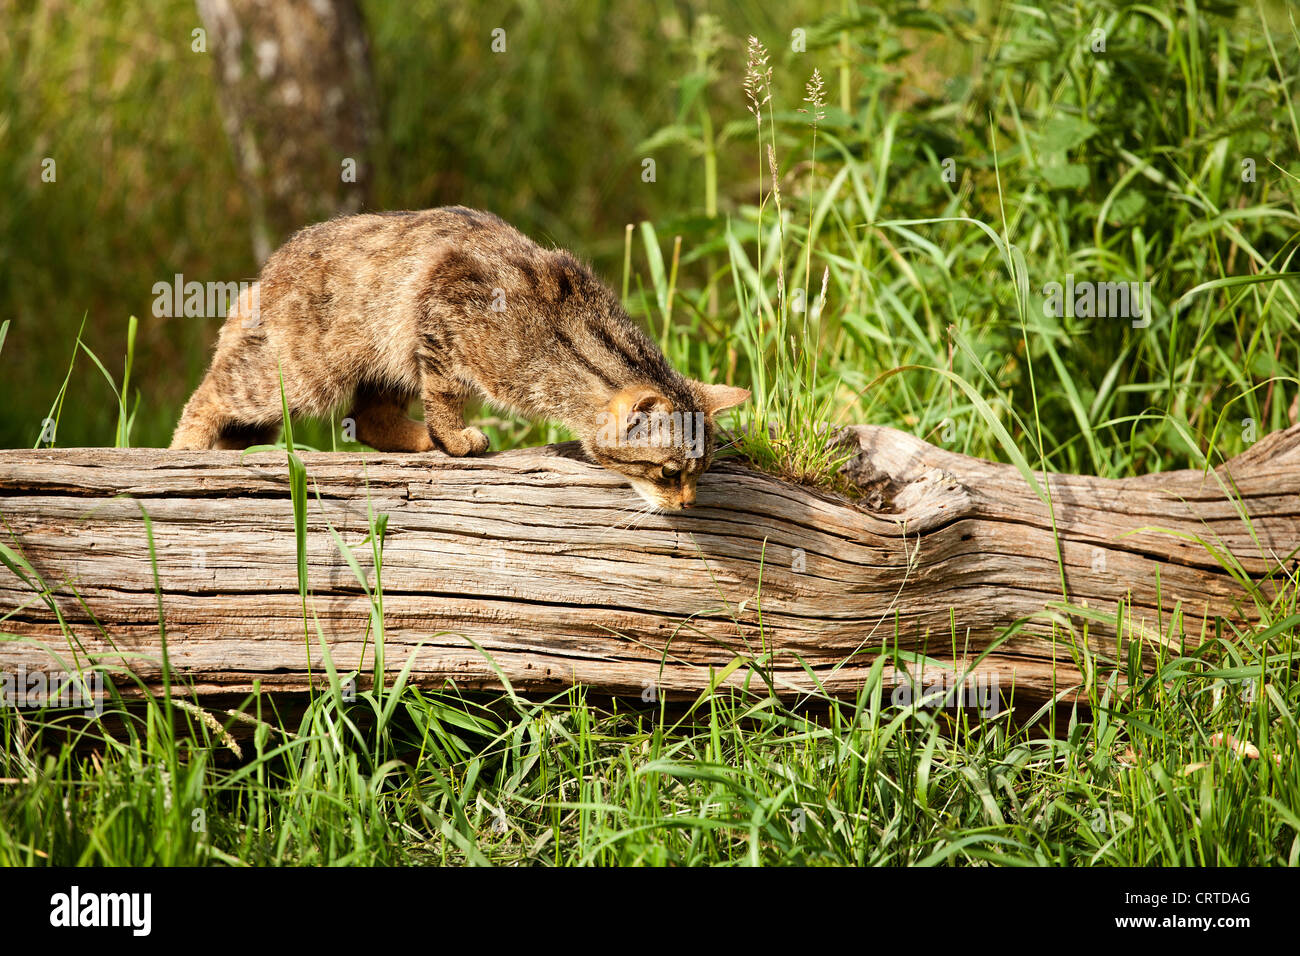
<point x="1125" y="165"/>
<point x="399" y="776"/>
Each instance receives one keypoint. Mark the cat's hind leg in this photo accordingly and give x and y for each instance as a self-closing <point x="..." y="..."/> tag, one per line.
<point x="238" y="402"/>
<point x="211" y="420"/>
<point x="200" y="426"/>
<point x="382" y="423"/>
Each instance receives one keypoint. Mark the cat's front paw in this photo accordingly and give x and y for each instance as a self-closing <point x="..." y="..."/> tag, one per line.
<point x="468" y="441"/>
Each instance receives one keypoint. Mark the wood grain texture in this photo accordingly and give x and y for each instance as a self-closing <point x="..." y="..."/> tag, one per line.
<point x="547" y="565"/>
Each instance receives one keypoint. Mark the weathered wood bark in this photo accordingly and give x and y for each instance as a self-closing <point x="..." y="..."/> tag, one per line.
<point x="544" y="562"/>
<point x="297" y="100"/>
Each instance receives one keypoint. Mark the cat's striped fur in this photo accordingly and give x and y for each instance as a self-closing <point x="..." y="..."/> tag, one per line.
<point x="366" y="313"/>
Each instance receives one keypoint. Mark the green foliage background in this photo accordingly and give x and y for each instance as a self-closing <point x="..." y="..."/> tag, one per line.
<point x="544" y="135"/>
<point x="1123" y="165"/>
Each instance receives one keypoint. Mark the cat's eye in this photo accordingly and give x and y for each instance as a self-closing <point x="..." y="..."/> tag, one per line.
<point x="670" y="471"/>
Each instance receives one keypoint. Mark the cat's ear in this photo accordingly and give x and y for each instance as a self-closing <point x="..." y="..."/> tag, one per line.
<point x="630" y="402"/>
<point x="717" y="397"/>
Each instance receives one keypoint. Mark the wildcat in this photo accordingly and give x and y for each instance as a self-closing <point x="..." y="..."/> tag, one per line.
<point x="369" y="312"/>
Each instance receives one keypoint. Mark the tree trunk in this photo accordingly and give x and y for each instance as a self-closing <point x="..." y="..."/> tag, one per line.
<point x="541" y="562"/>
<point x="297" y="99"/>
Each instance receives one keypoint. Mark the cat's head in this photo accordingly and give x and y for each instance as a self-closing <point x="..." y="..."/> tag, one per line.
<point x="661" y="439"/>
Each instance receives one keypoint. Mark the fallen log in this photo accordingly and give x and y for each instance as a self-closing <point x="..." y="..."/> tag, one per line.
<point x="538" y="567"/>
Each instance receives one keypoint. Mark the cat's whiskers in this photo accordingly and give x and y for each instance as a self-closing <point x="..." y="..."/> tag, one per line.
<point x="643" y="516"/>
<point x="636" y="514"/>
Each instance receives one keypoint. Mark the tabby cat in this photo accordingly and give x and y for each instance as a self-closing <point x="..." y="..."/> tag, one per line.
<point x="368" y="312"/>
